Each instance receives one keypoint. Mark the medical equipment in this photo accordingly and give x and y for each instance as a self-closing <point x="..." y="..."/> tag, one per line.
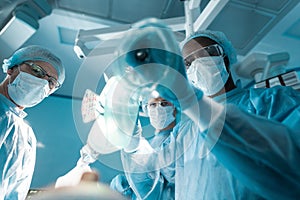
<point x="287" y="79"/>
<point x="91" y="106"/>
<point x="88" y="42"/>
<point x="113" y="126"/>
<point x="24" y="22"/>
<point x="268" y="70"/>
<point x="257" y="65"/>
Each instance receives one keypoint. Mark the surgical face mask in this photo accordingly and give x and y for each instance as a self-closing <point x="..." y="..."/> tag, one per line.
<point x="27" y="90"/>
<point x="208" y="74"/>
<point x="161" y="117"/>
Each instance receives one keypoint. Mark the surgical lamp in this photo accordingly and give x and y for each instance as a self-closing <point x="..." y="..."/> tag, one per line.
<point x="114" y="34"/>
<point x="24" y="23"/>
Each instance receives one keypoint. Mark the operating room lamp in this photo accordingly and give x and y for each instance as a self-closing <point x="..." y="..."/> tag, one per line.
<point x="18" y="29"/>
<point x="113" y="34"/>
<point x="23" y="23"/>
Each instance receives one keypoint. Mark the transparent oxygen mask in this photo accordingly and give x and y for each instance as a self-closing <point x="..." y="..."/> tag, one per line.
<point x="147" y="55"/>
<point x="113" y="128"/>
<point x="145" y="58"/>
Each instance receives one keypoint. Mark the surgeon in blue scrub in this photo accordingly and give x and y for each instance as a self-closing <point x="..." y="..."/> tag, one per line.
<point x="253" y="135"/>
<point x="139" y="185"/>
<point x="232" y="143"/>
<point x="33" y="73"/>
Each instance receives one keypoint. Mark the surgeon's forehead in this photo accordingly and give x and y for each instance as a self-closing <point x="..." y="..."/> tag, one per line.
<point x="156" y="99"/>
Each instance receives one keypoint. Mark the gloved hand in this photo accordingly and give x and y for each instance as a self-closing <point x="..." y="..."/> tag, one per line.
<point x="73" y="177"/>
<point x="120" y="184"/>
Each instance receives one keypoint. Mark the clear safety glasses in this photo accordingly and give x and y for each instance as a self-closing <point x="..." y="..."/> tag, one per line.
<point x="161" y="103"/>
<point x="39" y="72"/>
<point x="212" y="50"/>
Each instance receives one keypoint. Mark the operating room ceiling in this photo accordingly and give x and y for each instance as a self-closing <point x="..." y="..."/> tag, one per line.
<point x="251" y="25"/>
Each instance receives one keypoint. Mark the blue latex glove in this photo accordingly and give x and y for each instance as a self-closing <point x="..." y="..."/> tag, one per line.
<point x="120" y="184"/>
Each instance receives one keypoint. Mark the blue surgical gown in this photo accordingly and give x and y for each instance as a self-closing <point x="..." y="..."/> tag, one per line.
<point x="139" y="185"/>
<point x="17" y="152"/>
<point x="256" y="156"/>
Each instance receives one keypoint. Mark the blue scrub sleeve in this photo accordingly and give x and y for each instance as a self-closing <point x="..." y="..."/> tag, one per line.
<point x="17" y="156"/>
<point x="261" y="153"/>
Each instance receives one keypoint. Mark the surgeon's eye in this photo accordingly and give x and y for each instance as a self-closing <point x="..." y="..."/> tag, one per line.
<point x="37" y="71"/>
<point x="161" y="103"/>
<point x="165" y="103"/>
<point x="141" y="55"/>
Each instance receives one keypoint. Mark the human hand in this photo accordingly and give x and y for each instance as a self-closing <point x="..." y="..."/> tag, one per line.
<point x="88" y="187"/>
<point x="72" y="177"/>
<point x="120" y="184"/>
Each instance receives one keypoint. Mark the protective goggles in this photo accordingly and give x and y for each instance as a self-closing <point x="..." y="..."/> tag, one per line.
<point x="212" y="50"/>
<point x="39" y="72"/>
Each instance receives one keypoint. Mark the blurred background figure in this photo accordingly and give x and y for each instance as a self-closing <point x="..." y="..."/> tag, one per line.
<point x="153" y="184"/>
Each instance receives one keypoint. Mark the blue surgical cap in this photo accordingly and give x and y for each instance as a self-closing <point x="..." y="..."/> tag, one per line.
<point x="160" y="89"/>
<point x="218" y="37"/>
<point x="35" y="53"/>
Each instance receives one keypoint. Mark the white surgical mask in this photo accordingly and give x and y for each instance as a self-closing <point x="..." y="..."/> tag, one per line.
<point x="27" y="90"/>
<point x="208" y="74"/>
<point x="161" y="117"/>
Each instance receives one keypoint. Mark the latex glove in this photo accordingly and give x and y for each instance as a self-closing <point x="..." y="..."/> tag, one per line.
<point x="74" y="176"/>
<point x="121" y="185"/>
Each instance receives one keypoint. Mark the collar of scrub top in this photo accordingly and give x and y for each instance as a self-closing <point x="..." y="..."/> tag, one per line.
<point x="12" y="107"/>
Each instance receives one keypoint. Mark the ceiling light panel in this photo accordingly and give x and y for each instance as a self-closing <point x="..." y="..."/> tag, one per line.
<point x="98" y="8"/>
